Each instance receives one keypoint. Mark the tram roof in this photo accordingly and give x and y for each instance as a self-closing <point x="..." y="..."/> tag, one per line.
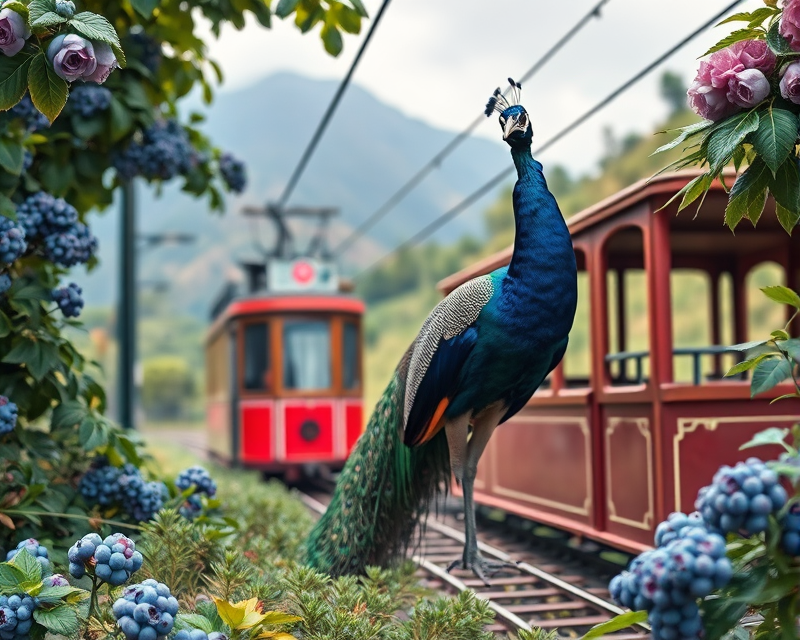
<point x="290" y="302"/>
<point x="692" y="235"/>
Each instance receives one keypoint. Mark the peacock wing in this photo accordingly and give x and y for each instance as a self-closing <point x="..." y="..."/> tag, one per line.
<point x="437" y="355"/>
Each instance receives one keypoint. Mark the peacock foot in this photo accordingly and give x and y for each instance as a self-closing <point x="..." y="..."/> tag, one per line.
<point x="480" y="566"/>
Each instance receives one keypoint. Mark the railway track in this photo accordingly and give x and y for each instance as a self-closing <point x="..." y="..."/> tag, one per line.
<point x="541" y="592"/>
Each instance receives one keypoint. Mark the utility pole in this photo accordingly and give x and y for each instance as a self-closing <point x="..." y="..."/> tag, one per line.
<point x="126" y="314"/>
<point x="127" y="309"/>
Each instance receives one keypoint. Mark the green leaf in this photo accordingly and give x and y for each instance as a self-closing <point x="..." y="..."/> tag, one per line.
<point x="332" y="39"/>
<point x="349" y="19"/>
<point x="736" y="36"/>
<point x="7" y="207"/>
<point x="145" y="7"/>
<point x="769" y="373"/>
<point x="49" y="19"/>
<point x="5" y="325"/>
<point x="783" y="295"/>
<point x="121" y="120"/>
<point x="746" y="365"/>
<point x="92" y="435"/>
<point x="785" y="187"/>
<point x="696" y="188"/>
<point x="777" y="42"/>
<point x="53" y="595"/>
<point x="788" y="471"/>
<point x="28" y="565"/>
<point x="774" y="140"/>
<point x="617" y="623"/>
<point x="196" y="621"/>
<point x="724" y="140"/>
<point x="18" y="7"/>
<point x="13" y="79"/>
<point x="278" y="617"/>
<point x="48" y="92"/>
<point x="359" y="6"/>
<point x="773" y="435"/>
<point x="39" y="357"/>
<point x="748" y="195"/>
<point x="11" y="156"/>
<point x="746" y="346"/>
<point x="61" y="620"/>
<point x="685" y="133"/>
<point x="286" y="7"/>
<point x="787" y="218"/>
<point x="10" y="576"/>
<point x="68" y="414"/>
<point x="37" y="8"/>
<point x="792" y="347"/>
<point x="95" y="27"/>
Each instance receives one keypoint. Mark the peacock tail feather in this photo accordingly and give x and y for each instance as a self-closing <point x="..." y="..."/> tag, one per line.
<point x="383" y="491"/>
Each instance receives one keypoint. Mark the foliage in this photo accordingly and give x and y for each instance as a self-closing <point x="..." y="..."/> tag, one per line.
<point x="761" y="137"/>
<point x="60" y="404"/>
<point x="776" y="359"/>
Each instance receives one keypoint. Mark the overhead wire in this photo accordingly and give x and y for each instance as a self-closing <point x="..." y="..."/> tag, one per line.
<point x="326" y="118"/>
<point x="451" y="213"/>
<point x="451" y="146"/>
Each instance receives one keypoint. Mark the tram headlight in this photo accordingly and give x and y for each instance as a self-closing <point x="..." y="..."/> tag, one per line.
<point x="309" y="431"/>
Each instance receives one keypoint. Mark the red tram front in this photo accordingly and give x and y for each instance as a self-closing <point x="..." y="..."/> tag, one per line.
<point x="284" y="381"/>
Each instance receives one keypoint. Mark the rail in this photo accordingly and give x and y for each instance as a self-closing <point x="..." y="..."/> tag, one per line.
<point x="696" y="353"/>
<point x="557" y="613"/>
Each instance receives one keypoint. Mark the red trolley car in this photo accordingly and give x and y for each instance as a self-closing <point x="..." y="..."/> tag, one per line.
<point x="633" y="422"/>
<point x="284" y="367"/>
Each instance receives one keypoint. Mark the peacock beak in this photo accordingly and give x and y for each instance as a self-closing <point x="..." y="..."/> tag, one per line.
<point x="512" y="125"/>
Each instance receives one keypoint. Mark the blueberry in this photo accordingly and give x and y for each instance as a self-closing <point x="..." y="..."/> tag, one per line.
<point x="102" y="571"/>
<point x="129" y="627"/>
<point x="102" y="554"/>
<point x="116" y="561"/>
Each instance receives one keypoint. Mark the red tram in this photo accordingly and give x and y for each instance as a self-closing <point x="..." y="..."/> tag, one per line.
<point x="284" y="372"/>
<point x="635" y="420"/>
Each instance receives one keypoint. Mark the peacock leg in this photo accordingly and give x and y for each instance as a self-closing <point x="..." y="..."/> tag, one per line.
<point x="483" y="427"/>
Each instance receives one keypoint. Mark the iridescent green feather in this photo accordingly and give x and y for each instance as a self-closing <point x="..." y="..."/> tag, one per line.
<point x="382" y="492"/>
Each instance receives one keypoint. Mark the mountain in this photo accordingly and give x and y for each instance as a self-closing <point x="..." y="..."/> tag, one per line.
<point x="369" y="150"/>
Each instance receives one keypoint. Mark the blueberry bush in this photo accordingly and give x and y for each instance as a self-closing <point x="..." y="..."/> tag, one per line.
<point x="90" y="95"/>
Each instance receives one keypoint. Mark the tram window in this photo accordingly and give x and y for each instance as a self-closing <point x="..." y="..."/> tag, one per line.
<point x="350" y="378"/>
<point x="306" y="354"/>
<point x="256" y="356"/>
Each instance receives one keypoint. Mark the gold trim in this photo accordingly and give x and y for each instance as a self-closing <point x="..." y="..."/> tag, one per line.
<point x="690" y="425"/>
<point x="583" y="424"/>
<point x="643" y="425"/>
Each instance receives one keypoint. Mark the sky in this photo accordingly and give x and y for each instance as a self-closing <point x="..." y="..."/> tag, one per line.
<point x="438" y="61"/>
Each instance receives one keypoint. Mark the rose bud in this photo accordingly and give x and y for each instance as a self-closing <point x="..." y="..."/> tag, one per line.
<point x="755" y="54"/>
<point x="708" y="102"/>
<point x="13" y="32"/>
<point x="790" y="83"/>
<point x="106" y="63"/>
<point x="747" y="88"/>
<point x="72" y="57"/>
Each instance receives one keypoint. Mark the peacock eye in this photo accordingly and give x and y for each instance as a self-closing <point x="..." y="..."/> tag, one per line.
<point x="523" y="120"/>
<point x="502" y="121"/>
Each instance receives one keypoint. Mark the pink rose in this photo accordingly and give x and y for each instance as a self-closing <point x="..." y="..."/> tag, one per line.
<point x="790" y="83"/>
<point x="789" y="26"/>
<point x="106" y="63"/>
<point x="723" y="65"/>
<point x="13" y="32"/>
<point x="708" y="102"/>
<point x="747" y="88"/>
<point x="755" y="54"/>
<point x="72" y="57"/>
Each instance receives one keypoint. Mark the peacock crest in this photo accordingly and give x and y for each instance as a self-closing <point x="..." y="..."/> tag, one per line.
<point x="498" y="102"/>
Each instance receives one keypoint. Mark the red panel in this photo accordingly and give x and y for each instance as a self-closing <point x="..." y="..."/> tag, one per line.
<point x="257" y="433"/>
<point x="354" y="416"/>
<point x="218" y="421"/>
<point x="299" y="447"/>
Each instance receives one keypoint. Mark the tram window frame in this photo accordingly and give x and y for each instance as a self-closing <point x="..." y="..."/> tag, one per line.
<point x="269" y="364"/>
<point x="358" y="384"/>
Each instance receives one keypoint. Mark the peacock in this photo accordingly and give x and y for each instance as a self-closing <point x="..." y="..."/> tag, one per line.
<point x="479" y="357"/>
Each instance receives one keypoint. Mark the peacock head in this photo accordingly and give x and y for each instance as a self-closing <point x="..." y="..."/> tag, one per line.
<point x="514" y="120"/>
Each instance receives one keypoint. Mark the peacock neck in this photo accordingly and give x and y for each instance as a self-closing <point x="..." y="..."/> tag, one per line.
<point x="542" y="272"/>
